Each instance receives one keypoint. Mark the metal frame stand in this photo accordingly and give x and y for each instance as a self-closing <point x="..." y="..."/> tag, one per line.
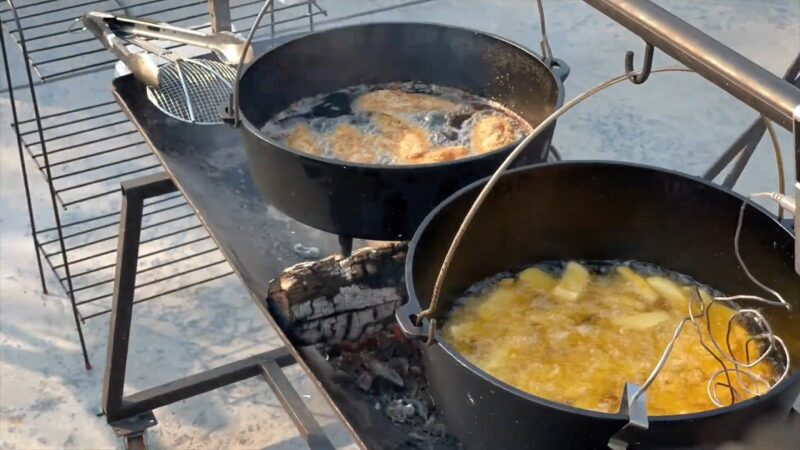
<point x="131" y="415"/>
<point x="48" y="176"/>
<point x="102" y="151"/>
<point x="742" y="149"/>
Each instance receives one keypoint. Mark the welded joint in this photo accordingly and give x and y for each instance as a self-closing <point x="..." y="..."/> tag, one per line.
<point x="148" y="186"/>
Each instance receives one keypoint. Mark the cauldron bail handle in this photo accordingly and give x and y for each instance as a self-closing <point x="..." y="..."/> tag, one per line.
<point x="234" y="108"/>
<point x="560" y="68"/>
<point x="432" y="312"/>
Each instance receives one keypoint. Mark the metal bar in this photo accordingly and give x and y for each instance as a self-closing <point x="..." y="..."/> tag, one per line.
<point x="133" y="194"/>
<point x="281" y="22"/>
<point x="88" y="197"/>
<point x="183" y="258"/>
<point x="253" y="2"/>
<point x="111" y="224"/>
<point x="100" y="180"/>
<point x="107" y="62"/>
<point x="113" y="213"/>
<point x="204" y="13"/>
<point x="73" y="6"/>
<point x="108" y="238"/>
<point x="60" y="280"/>
<point x="63" y="20"/>
<point x="93" y="141"/>
<point x="24" y="170"/>
<point x="28" y="5"/>
<point x="102" y="152"/>
<point x="156" y="12"/>
<point x="50" y="11"/>
<point x="122" y="304"/>
<point x="156" y="281"/>
<point x="40" y="167"/>
<point x="28" y="60"/>
<point x="732" y="72"/>
<point x="741" y="162"/>
<point x="171" y="291"/>
<point x="138" y="5"/>
<point x="272" y="20"/>
<point x="70" y="56"/>
<point x="200" y="383"/>
<point x="306" y="424"/>
<point x="220" y="12"/>
<point x="57" y="217"/>
<point x="71" y="122"/>
<point x="63" y="113"/>
<point x="155" y="238"/>
<point x="72" y="74"/>
<point x="797" y="189"/>
<point x="63" y="44"/>
<point x="745" y="144"/>
<point x="148" y="269"/>
<point x="86" y="130"/>
<point x="753" y="134"/>
<point x="310" y="17"/>
<point x="142" y="256"/>
<point x="102" y="166"/>
<point x="186" y="286"/>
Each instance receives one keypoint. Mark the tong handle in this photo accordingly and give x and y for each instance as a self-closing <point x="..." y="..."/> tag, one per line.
<point x="142" y="68"/>
<point x="225" y="44"/>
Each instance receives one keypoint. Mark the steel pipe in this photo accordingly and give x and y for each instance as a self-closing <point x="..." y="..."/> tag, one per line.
<point x="762" y="90"/>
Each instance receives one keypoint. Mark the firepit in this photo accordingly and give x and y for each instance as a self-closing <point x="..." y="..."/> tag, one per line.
<point x="339" y="314"/>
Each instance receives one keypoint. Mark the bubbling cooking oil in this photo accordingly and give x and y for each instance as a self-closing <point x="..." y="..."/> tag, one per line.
<point x="396" y="123"/>
<point x="576" y="333"/>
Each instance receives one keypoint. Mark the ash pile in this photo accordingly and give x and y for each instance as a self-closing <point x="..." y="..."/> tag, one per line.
<point x="339" y="313"/>
<point x="387" y="366"/>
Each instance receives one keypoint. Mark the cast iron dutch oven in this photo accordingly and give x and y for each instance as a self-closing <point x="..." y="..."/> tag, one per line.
<point x="373" y="201"/>
<point x="595" y="211"/>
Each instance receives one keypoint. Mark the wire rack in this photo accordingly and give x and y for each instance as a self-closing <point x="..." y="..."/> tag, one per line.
<point x="58" y="49"/>
<point x="85" y="152"/>
<point x="90" y="150"/>
<point x="176" y="254"/>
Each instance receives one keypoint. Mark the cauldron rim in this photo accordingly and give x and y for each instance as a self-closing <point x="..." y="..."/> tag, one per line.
<point x="407" y="167"/>
<point x="775" y="391"/>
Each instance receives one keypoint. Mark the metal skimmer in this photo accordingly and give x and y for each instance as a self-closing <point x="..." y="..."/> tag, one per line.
<point x="193" y="90"/>
<point x="190" y="90"/>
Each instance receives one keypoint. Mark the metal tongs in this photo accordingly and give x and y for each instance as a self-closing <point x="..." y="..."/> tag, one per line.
<point x="116" y="32"/>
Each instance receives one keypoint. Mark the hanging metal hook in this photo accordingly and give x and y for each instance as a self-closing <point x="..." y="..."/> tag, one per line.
<point x="644" y="74"/>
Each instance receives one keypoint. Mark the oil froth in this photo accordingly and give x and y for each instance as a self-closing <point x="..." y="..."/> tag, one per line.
<point x="396" y="123"/>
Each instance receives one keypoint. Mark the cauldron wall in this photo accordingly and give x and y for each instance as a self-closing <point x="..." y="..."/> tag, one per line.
<point x="583" y="210"/>
<point x="384" y="202"/>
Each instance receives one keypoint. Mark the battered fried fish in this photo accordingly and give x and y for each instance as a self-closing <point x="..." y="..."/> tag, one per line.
<point x="406" y="141"/>
<point x="351" y="145"/>
<point x="301" y="139"/>
<point x="441" y="155"/>
<point x="393" y="101"/>
<point x="492" y="132"/>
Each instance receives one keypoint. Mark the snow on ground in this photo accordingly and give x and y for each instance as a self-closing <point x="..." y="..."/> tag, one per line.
<point x="48" y="400"/>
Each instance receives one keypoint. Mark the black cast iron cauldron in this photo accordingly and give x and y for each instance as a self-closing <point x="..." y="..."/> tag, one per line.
<point x="373" y="201"/>
<point x="594" y="211"/>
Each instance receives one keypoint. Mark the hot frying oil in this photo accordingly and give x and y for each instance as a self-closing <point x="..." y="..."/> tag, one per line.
<point x="578" y="336"/>
<point x="396" y="123"/>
